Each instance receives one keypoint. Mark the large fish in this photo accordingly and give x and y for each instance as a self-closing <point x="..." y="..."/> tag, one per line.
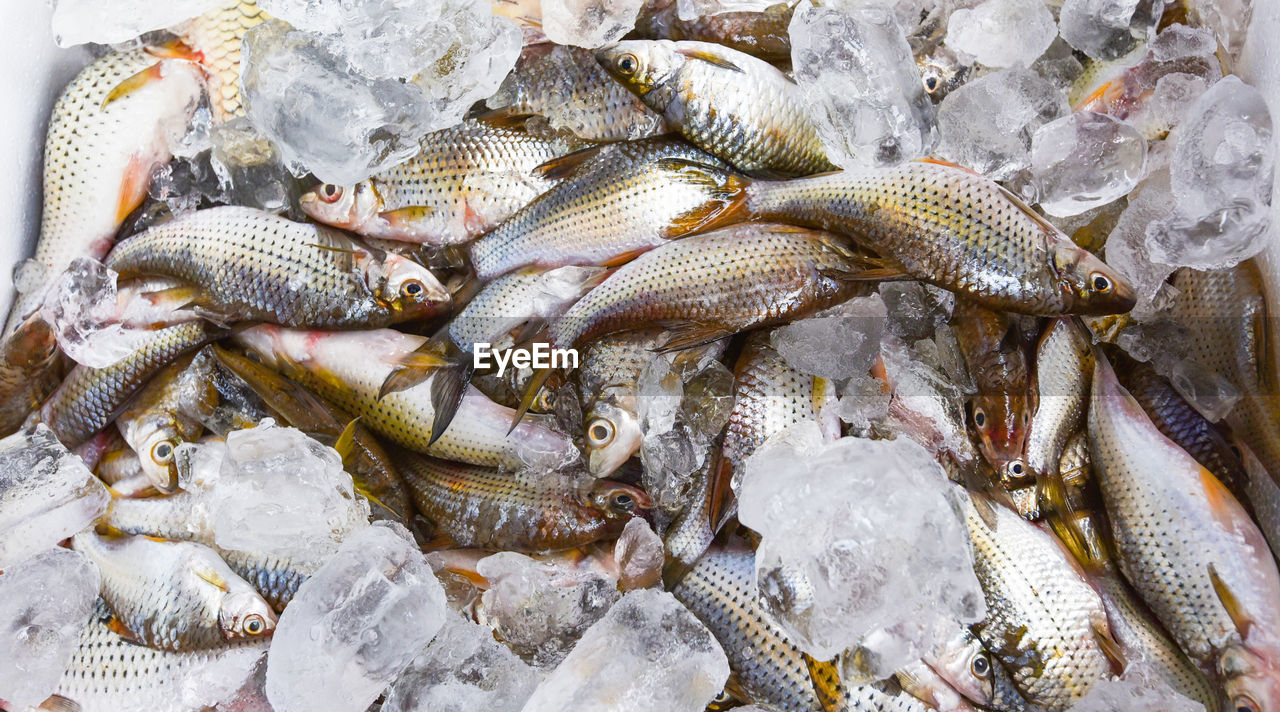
<point x="464" y="182"/>
<point x="216" y="36"/>
<point x="251" y="265"/>
<point x="958" y="230"/>
<point x="109" y="129"/>
<point x="731" y="104"/>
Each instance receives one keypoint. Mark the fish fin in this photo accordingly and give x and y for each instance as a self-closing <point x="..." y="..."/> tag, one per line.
<point x="335" y="248"/>
<point x="447" y="391"/>
<point x="709" y="58"/>
<point x="564" y="166"/>
<point x="726" y="203"/>
<point x="985" y="508"/>
<point x="179" y="297"/>
<point x="622" y="258"/>
<point x="949" y="164"/>
<point x="690" y="334"/>
<point x="175" y="49"/>
<point x="440" y="540"/>
<point x="503" y="118"/>
<point x="674" y="571"/>
<point x="345" y="445"/>
<point x="825" y="677"/>
<point x="407" y="216"/>
<point x="415" y="367"/>
<point x="1110" y="648"/>
<point x="58" y="703"/>
<point x="875" y="274"/>
<point x="219" y="317"/>
<point x="723" y="505"/>
<point x="137" y="176"/>
<point x="1107" y="92"/>
<point x="1051" y="496"/>
<point x="117" y="626"/>
<point x="1231" y="603"/>
<point x="212" y="577"/>
<point x="1037" y="218"/>
<point x="539" y="379"/>
<point x="133" y="84"/>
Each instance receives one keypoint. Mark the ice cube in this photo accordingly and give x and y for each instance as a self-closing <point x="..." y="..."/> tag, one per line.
<point x="540" y="609"/>
<point x="1227" y="19"/>
<point x="46" y="494"/>
<point x="1134" y="695"/>
<point x="112" y="21"/>
<point x="647" y="653"/>
<point x="862" y="87"/>
<point x="83" y="307"/>
<point x="1126" y="247"/>
<point x="845" y="528"/>
<point x="639" y="554"/>
<point x="1003" y="33"/>
<point x="863" y="402"/>
<point x="1221" y="177"/>
<point x="1109" y="29"/>
<point x="841" y="342"/>
<point x="45" y="603"/>
<point x="915" y="309"/>
<point x="1084" y="161"/>
<point x="588" y="23"/>
<point x="462" y="669"/>
<point x="249" y="167"/>
<point x="282" y="492"/>
<point x="342" y="125"/>
<point x="355" y="624"/>
<point x="988" y="123"/>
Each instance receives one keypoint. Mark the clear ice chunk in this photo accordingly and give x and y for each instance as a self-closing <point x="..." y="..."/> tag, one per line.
<point x="845" y="528"/>
<point x="46" y="495"/>
<point x="462" y="669"/>
<point x="647" y="653"/>
<point x="1126" y="247"/>
<point x="987" y="124"/>
<point x="113" y="21"/>
<point x="588" y="23"/>
<point x="1003" y="33"/>
<point x="1108" y="29"/>
<point x="540" y="609"/>
<point x="639" y="555"/>
<point x="282" y="492"/>
<point x="1084" y="161"/>
<point x="1221" y="177"/>
<point x="45" y="603"/>
<point x="85" y="311"/>
<point x="355" y="624"/>
<point x="839" y="343"/>
<point x="863" y="89"/>
<point x="1134" y="694"/>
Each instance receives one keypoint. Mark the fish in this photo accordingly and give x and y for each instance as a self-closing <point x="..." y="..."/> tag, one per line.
<point x="110" y="127"/>
<point x="28" y="371"/>
<point x="955" y="229"/>
<point x="942" y="71"/>
<point x="107" y="673"/>
<point x="1001" y="409"/>
<point x="464" y="182"/>
<point x="88" y="399"/>
<point x="1063" y="364"/>
<point x="251" y="265"/>
<point x="156" y="422"/>
<point x="971" y="670"/>
<point x="174" y="595"/>
<point x="728" y="103"/>
<point x="216" y="36"/>
<point x="1188" y="547"/>
<point x="348" y="369"/>
<point x="485" y="508"/>
<point x="517" y="299"/>
<point x="758" y="32"/>
<point x="363" y="456"/>
<point x="619" y="201"/>
<point x="575" y="95"/>
<point x="1044" y="622"/>
<point x="765" y="666"/>
<point x="1264" y="494"/>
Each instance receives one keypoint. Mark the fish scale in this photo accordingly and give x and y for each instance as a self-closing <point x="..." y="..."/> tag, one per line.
<point x="97" y="160"/>
<point x="1063" y="363"/>
<point x="89" y="398"/>
<point x="217" y="36"/>
<point x="952" y="228"/>
<point x="487" y="508"/>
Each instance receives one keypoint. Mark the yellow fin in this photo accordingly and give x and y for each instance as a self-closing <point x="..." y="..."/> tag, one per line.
<point x="709" y="58"/>
<point x="1231" y="603"/>
<point x="825" y="677"/>
<point x="408" y="215"/>
<point x="212" y="577"/>
<point x="133" y="84"/>
<point x="531" y="391"/>
<point x="564" y="166"/>
<point x="345" y="444"/>
<point x="504" y="118"/>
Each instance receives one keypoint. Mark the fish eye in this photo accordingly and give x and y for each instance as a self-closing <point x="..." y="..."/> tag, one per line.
<point x="1100" y="282"/>
<point x="330" y="193"/>
<point x="254" y="625"/>
<point x="930" y="83"/>
<point x="980" y="667"/>
<point x="627" y="64"/>
<point x="412" y="289"/>
<point x="979" y="417"/>
<point x="162" y="452"/>
<point x="600" y="432"/>
<point x="1244" y="703"/>
<point x="546" y="399"/>
<point x="624" y="502"/>
<point x="1016" y="467"/>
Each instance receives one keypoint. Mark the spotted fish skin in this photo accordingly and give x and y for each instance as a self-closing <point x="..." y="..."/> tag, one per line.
<point x="1001" y="373"/>
<point x="98" y="160"/>
<point x="1061" y="392"/>
<point x="728" y="103"/>
<point x="624" y="199"/>
<point x="28" y="371"/>
<point x="761" y="33"/>
<point x="216" y="36"/>
<point x="768" y="667"/>
<point x="253" y="265"/>
<point x="157" y="421"/>
<point x="466" y="180"/>
<point x="486" y="508"/>
<point x="738" y="278"/>
<point x="958" y="230"/>
<point x="89" y="398"/>
<point x="516" y="298"/>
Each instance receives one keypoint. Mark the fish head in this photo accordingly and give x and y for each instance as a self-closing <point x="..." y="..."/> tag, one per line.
<point x="967" y="666"/>
<point x="612" y="434"/>
<point x="245" y="614"/>
<point x="1001" y="421"/>
<point x="408" y="288"/>
<point x="941" y="71"/>
<point x="32" y="345"/>
<point x="157" y="442"/>
<point x="350" y="207"/>
<point x="641" y="65"/>
<point x="618" y="501"/>
<point x="1088" y="284"/>
<point x="1251" y="681"/>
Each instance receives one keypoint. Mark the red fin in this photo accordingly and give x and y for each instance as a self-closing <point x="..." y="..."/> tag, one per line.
<point x="948" y="164"/>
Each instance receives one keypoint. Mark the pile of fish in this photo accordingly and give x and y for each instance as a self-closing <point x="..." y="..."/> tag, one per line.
<point x="694" y="355"/>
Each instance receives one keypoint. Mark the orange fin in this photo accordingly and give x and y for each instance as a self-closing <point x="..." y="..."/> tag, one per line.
<point x="564" y="166"/>
<point x="687" y="335"/>
<point x="622" y="258"/>
<point x="949" y="164"/>
<point x="133" y="187"/>
<point x="709" y="58"/>
<point x="58" y="703"/>
<point x="175" y="49"/>
<point x="1105" y="93"/>
<point x="1231" y="603"/>
<point x="825" y="677"/>
<point x="407" y="216"/>
<point x="116" y="626"/>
